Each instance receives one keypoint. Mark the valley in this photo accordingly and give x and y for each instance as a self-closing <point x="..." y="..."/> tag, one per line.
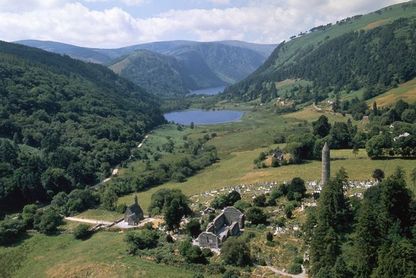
<point x="220" y="159"/>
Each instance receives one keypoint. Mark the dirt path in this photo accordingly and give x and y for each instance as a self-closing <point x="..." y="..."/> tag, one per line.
<point x="88" y="221"/>
<point x="285" y="274"/>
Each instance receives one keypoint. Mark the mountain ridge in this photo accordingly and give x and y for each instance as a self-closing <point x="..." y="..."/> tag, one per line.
<point x="201" y="64"/>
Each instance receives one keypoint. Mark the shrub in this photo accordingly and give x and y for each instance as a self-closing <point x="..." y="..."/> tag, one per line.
<point x="242" y="205"/>
<point x="236" y="252"/>
<point x="256" y="216"/>
<point x="193" y="228"/>
<point x="82" y="231"/>
<point x="28" y="215"/>
<point x="191" y="253"/>
<point x="269" y="236"/>
<point x="121" y="208"/>
<point x="231" y="274"/>
<point x="207" y="252"/>
<point x="289" y="207"/>
<point x="378" y="174"/>
<point x="139" y="240"/>
<point x="298" y="260"/>
<point x="10" y="230"/>
<point x="278" y="192"/>
<point x="260" y="201"/>
<point x="295" y="268"/>
<point x="223" y="201"/>
<point x="169" y="239"/>
<point x="219" y="202"/>
<point x="47" y="221"/>
<point x="297" y="185"/>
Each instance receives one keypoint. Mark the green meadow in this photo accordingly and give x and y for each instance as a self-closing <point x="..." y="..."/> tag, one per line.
<point x="103" y="255"/>
<point x="239" y="144"/>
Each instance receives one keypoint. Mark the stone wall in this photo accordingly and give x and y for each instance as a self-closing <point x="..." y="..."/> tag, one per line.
<point x="219" y="222"/>
<point x="234" y="215"/>
<point x="208" y="240"/>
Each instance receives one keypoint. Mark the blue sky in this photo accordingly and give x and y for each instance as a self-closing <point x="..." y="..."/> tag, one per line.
<point x="116" y="23"/>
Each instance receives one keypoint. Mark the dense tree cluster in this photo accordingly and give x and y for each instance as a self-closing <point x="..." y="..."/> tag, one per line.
<point x="307" y="146"/>
<point x="374" y="237"/>
<point x="172" y="203"/>
<point x="392" y="131"/>
<point x="173" y="162"/>
<point x="223" y="201"/>
<point x="65" y="123"/>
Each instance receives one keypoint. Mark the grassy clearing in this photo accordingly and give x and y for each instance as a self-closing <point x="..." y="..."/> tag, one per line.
<point x="376" y="24"/>
<point x="103" y="255"/>
<point x="406" y="92"/>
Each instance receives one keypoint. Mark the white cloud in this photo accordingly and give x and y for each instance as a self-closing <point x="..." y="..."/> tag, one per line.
<point x="268" y="21"/>
<point x="220" y="2"/>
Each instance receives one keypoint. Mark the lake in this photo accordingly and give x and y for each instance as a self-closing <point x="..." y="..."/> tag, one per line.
<point x="208" y="91"/>
<point x="204" y="117"/>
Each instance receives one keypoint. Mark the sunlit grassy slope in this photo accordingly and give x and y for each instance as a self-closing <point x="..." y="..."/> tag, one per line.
<point x="406" y="92"/>
<point x="103" y="255"/>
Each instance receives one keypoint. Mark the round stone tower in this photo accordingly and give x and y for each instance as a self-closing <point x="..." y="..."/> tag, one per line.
<point x="326" y="164"/>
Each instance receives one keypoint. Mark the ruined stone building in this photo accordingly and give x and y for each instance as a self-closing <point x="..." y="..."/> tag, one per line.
<point x="134" y="213"/>
<point x="326" y="164"/>
<point x="228" y="223"/>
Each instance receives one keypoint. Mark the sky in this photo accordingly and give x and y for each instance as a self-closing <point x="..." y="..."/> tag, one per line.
<point x="117" y="23"/>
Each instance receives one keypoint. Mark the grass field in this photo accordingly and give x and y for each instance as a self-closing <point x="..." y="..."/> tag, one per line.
<point x="406" y="92"/>
<point x="100" y="214"/>
<point x="239" y="169"/>
<point x="240" y="143"/>
<point x="103" y="255"/>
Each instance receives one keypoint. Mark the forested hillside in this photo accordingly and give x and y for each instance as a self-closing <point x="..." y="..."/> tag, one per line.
<point x="63" y="123"/>
<point x="157" y="73"/>
<point x="374" y="52"/>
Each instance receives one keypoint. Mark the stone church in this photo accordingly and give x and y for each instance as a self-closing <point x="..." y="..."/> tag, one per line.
<point x="134" y="213"/>
<point x="228" y="223"/>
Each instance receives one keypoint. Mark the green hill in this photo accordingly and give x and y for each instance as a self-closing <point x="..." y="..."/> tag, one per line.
<point x="63" y="123"/>
<point x="187" y="67"/>
<point x="157" y="73"/>
<point x="374" y="52"/>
